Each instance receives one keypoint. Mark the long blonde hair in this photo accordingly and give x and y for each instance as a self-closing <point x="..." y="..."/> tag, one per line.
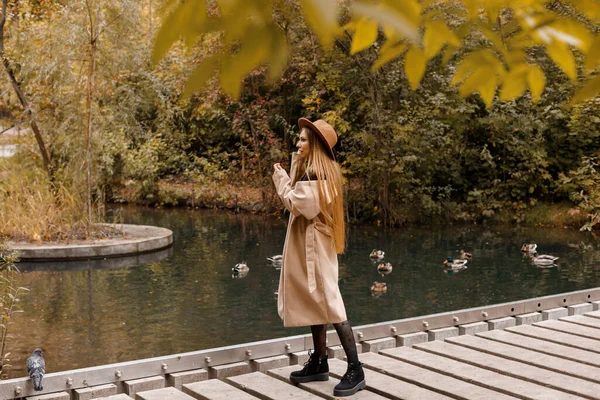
<point x="326" y="171"/>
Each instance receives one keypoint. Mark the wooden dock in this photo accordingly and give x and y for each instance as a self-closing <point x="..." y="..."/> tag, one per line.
<point x="545" y="354"/>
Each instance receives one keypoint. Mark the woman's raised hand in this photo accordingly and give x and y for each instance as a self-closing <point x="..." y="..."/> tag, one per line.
<point x="277" y="167"/>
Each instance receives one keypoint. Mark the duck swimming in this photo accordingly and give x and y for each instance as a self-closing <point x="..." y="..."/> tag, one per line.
<point x="240" y="269"/>
<point x="379" y="287"/>
<point x="377" y="254"/>
<point x="543" y="259"/>
<point x="384" y="268"/>
<point x="276" y="260"/>
<point x="455" y="264"/>
<point x="465" y="256"/>
<point x="529" y="247"/>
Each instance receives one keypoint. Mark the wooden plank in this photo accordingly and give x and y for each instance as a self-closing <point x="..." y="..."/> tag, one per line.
<point x="269" y="388"/>
<point x="386" y="385"/>
<point x="582" y="320"/>
<point x="479" y="376"/>
<point x="168" y="393"/>
<point x="573" y="329"/>
<point x="449" y="386"/>
<point x="557" y="337"/>
<point x="592" y="314"/>
<point x="518" y="370"/>
<point x="530" y="357"/>
<point x="323" y="389"/>
<point x="543" y="346"/>
<point x="214" y="389"/>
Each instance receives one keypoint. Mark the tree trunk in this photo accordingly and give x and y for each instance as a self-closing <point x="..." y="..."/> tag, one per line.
<point x="22" y="99"/>
<point x="88" y="126"/>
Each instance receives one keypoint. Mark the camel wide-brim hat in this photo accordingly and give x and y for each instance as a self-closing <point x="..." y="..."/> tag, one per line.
<point x="323" y="130"/>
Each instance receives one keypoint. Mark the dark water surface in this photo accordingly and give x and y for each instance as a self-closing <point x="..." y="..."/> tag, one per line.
<point x="85" y="315"/>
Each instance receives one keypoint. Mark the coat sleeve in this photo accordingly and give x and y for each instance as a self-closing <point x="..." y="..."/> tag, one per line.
<point x="302" y="200"/>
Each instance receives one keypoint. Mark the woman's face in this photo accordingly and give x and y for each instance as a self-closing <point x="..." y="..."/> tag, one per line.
<point x="303" y="149"/>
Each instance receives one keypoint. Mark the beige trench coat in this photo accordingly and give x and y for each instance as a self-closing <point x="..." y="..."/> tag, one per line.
<point x="308" y="283"/>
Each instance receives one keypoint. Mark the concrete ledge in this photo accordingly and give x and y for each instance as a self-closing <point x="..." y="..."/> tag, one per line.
<point x="528" y="319"/>
<point x="94" y="392"/>
<point x="375" y="345"/>
<point x="138" y="239"/>
<point x="473" y="328"/>
<point x="178" y="379"/>
<point x="580" y="309"/>
<point x="52" y="396"/>
<point x="442" y="333"/>
<point x="555" y="313"/>
<point x="120" y="396"/>
<point x="410" y="339"/>
<point x="227" y="370"/>
<point x="596" y="305"/>
<point x="501" y="323"/>
<point x="141" y="385"/>
<point x="265" y="364"/>
<point x="339" y="353"/>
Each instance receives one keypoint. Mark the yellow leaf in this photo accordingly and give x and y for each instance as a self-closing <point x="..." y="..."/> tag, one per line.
<point x="398" y="24"/>
<point x="592" y="58"/>
<point x="476" y="60"/>
<point x="563" y="57"/>
<point x="488" y="89"/>
<point x="590" y="89"/>
<point x="201" y="74"/>
<point x="436" y="34"/>
<point x="184" y="20"/>
<point x="476" y="80"/>
<point x="279" y="54"/>
<point x="515" y="83"/>
<point x="321" y="17"/>
<point x="414" y="65"/>
<point x="448" y="53"/>
<point x="589" y="8"/>
<point x="252" y="53"/>
<point x="364" y="35"/>
<point x="536" y="81"/>
<point x="387" y="54"/>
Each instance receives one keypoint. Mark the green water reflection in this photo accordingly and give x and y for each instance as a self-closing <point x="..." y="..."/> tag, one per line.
<point x="189" y="301"/>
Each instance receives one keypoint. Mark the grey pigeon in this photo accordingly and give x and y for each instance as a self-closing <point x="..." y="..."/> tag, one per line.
<point x="36" y="367"/>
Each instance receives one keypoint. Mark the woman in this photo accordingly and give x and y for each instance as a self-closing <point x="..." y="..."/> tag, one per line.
<point x="308" y="284"/>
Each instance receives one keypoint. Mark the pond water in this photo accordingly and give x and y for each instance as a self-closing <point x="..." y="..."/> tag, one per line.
<point x="8" y="150"/>
<point x="185" y="299"/>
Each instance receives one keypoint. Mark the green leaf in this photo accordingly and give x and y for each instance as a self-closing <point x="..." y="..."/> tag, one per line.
<point x="589" y="90"/>
<point x="184" y="20"/>
<point x="365" y="34"/>
<point x="414" y="65"/>
<point x="537" y="81"/>
<point x="387" y="54"/>
<point x="321" y="17"/>
<point x="201" y="74"/>
<point x="563" y="57"/>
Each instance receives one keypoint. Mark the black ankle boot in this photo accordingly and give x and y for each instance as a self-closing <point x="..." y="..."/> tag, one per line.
<point x="352" y="381"/>
<point x="314" y="370"/>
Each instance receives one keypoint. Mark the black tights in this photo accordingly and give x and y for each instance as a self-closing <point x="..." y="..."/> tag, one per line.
<point x="344" y="331"/>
